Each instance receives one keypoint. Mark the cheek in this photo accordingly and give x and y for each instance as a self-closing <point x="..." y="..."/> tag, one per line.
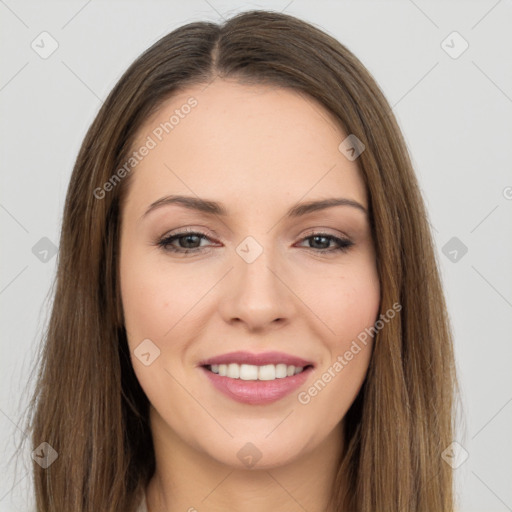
<point x="144" y="300"/>
<point x="155" y="299"/>
<point x="345" y="299"/>
<point x="158" y="306"/>
<point x="357" y="313"/>
<point x="349" y="308"/>
<point x="357" y="307"/>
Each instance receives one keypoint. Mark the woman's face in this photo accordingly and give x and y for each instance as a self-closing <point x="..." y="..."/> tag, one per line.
<point x="255" y="278"/>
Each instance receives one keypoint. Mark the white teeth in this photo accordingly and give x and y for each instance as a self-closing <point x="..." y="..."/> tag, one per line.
<point x="280" y="371"/>
<point x="246" y="372"/>
<point x="253" y="372"/>
<point x="267" y="372"/>
<point x="233" y="371"/>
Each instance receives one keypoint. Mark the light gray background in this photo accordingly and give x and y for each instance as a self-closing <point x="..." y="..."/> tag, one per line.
<point x="455" y="115"/>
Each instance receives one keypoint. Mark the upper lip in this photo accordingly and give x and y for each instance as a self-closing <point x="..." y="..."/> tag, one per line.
<point x="261" y="359"/>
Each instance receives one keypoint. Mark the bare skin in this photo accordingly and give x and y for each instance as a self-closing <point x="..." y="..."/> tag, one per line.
<point x="259" y="151"/>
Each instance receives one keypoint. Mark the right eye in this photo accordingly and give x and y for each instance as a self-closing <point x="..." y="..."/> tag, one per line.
<point x="185" y="238"/>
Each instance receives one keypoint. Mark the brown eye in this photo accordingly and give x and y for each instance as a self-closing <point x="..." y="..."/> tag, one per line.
<point x="190" y="242"/>
<point x="187" y="241"/>
<point x="321" y="241"/>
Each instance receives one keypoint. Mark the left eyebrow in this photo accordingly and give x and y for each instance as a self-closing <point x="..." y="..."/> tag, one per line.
<point x="215" y="208"/>
<point x="312" y="206"/>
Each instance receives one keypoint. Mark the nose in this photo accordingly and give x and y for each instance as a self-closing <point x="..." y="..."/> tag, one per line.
<point x="256" y="295"/>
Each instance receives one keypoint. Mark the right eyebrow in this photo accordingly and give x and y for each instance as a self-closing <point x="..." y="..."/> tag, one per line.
<point x="192" y="203"/>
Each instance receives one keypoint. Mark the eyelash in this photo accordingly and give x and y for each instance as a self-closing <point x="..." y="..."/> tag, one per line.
<point x="165" y="243"/>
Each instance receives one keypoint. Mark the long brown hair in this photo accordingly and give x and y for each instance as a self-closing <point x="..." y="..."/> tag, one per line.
<point x="88" y="404"/>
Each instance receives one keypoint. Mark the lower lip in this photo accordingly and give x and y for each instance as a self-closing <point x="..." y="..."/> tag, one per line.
<point x="257" y="392"/>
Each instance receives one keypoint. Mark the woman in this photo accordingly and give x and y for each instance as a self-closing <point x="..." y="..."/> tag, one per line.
<point x="248" y="312"/>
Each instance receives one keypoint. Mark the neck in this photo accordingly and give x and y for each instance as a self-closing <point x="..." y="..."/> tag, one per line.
<point x="190" y="480"/>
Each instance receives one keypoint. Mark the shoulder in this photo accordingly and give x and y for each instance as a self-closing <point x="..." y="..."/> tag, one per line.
<point x="142" y="505"/>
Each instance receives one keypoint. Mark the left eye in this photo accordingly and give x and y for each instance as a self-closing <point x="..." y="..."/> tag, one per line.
<point x="322" y="238"/>
<point x="191" y="239"/>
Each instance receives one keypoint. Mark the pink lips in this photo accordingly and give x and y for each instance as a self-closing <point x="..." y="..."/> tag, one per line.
<point x="241" y="357"/>
<point x="257" y="392"/>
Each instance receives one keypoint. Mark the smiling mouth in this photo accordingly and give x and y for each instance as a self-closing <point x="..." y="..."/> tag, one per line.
<point x="249" y="372"/>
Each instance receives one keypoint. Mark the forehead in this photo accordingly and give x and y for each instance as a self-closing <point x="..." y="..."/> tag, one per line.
<point x="246" y="145"/>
